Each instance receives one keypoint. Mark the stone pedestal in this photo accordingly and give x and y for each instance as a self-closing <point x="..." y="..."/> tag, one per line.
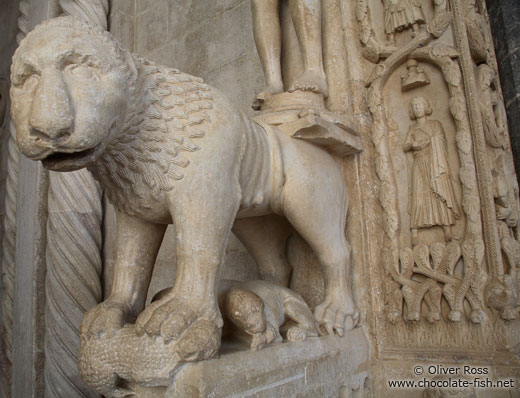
<point x="319" y="367"/>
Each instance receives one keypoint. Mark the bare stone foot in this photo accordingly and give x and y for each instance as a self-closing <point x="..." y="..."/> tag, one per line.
<point x="269" y="92"/>
<point x="314" y="81"/>
<point x="170" y="316"/>
<point x="275" y="88"/>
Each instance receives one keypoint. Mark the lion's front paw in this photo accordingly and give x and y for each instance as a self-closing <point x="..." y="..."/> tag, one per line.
<point x="258" y="341"/>
<point x="106" y="317"/>
<point x="199" y="341"/>
<point x="336" y="315"/>
<point x="169" y="317"/>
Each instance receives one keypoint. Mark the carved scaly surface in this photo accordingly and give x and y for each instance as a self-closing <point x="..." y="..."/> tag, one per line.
<point x="171" y="117"/>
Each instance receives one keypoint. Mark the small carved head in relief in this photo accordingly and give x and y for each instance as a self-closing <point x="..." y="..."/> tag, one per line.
<point x="419" y="107"/>
<point x="70" y="84"/>
<point x="246" y="310"/>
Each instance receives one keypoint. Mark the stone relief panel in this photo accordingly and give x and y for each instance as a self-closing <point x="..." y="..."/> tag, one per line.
<point x="433" y="255"/>
<point x="436" y="276"/>
<point x="435" y="210"/>
<point x="400" y="15"/>
<point x="390" y="24"/>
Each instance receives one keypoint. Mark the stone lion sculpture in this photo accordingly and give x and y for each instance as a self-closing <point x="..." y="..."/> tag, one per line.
<point x="167" y="148"/>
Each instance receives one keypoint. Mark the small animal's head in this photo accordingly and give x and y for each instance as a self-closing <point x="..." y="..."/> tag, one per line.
<point x="70" y="87"/>
<point x="502" y="295"/>
<point x="246" y="310"/>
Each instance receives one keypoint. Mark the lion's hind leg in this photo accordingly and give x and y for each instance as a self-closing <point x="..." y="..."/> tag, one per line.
<point x="318" y="212"/>
<point x="265" y="238"/>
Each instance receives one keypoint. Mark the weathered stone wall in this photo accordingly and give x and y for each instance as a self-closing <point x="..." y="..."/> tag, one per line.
<point x="210" y="39"/>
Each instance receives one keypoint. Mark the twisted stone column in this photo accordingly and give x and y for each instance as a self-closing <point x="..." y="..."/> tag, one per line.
<point x="73" y="282"/>
<point x="8" y="261"/>
<point x="9" y="238"/>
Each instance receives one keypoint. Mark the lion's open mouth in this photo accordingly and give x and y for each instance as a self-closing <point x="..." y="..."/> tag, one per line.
<point x="64" y="161"/>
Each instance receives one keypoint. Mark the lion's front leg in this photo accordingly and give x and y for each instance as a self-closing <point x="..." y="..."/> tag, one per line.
<point x="203" y="216"/>
<point x="137" y="245"/>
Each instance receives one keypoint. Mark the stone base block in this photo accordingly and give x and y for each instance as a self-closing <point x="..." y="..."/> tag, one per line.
<point x="322" y="367"/>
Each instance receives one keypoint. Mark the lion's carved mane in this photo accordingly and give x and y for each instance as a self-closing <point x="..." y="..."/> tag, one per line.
<point x="169" y="111"/>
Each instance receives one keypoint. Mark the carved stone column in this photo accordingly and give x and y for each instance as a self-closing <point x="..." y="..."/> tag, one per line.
<point x="504" y="20"/>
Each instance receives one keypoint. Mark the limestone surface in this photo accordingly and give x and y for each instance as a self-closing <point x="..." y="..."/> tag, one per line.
<point x="167" y="148"/>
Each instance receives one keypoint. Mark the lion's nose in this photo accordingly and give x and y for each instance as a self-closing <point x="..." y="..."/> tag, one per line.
<point x="56" y="136"/>
<point x="52" y="115"/>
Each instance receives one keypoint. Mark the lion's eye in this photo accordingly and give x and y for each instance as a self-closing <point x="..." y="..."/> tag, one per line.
<point x="82" y="71"/>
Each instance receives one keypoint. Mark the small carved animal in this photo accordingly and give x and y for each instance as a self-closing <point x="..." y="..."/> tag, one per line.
<point x="167" y="148"/>
<point x="259" y="308"/>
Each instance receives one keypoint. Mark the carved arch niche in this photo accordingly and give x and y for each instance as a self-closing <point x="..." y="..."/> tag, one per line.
<point x="428" y="276"/>
<point x="399" y="123"/>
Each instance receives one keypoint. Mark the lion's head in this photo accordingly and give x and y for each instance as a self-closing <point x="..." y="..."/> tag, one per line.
<point x="70" y="87"/>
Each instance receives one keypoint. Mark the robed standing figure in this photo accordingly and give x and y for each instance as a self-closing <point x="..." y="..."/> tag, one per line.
<point x="433" y="201"/>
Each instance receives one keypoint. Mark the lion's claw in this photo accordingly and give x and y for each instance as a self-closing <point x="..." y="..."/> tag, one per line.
<point x="297" y="334"/>
<point x="335" y="319"/>
<point x="106" y="317"/>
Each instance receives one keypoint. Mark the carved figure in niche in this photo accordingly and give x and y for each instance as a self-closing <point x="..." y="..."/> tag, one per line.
<point x="400" y="15"/>
<point x="306" y="16"/>
<point x="433" y="201"/>
<point x="259" y="308"/>
<point x="414" y="77"/>
<point x="167" y="148"/>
